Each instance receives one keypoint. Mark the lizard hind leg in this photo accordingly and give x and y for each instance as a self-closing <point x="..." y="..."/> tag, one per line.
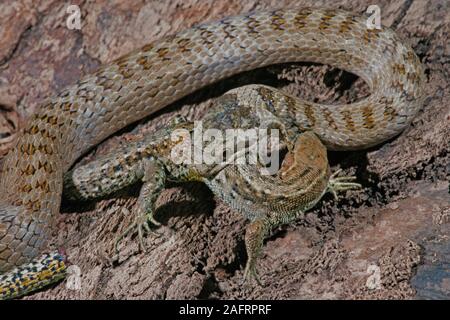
<point x="154" y="178"/>
<point x="255" y="233"/>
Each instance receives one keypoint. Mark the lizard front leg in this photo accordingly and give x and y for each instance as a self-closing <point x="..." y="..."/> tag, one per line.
<point x="154" y="178"/>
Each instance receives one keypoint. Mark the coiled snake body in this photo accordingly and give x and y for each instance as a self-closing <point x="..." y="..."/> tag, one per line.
<point x="148" y="79"/>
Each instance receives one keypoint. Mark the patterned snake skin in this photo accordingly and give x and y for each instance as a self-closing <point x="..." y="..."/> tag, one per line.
<point x="148" y="79"/>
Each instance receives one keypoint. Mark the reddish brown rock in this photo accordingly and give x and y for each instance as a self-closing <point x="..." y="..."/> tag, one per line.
<point x="200" y="253"/>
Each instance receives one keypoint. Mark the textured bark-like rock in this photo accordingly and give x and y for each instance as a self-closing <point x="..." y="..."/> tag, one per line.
<point x="333" y="253"/>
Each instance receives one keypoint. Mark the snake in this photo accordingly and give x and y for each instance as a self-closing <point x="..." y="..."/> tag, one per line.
<point x="150" y="78"/>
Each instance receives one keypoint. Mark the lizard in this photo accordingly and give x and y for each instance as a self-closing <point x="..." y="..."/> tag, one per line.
<point x="150" y="78"/>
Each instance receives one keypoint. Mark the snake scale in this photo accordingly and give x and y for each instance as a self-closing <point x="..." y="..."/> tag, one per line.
<point x="144" y="81"/>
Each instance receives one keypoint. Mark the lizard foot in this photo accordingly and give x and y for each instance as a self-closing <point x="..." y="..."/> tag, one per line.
<point x="337" y="184"/>
<point x="141" y="225"/>
<point x="251" y="272"/>
<point x="154" y="180"/>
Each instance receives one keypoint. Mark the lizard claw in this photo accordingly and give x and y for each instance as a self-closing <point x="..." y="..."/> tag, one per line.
<point x="337" y="184"/>
<point x="141" y="225"/>
<point x="150" y="218"/>
<point x="251" y="272"/>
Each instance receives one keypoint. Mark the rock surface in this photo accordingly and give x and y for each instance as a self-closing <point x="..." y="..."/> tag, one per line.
<point x="395" y="230"/>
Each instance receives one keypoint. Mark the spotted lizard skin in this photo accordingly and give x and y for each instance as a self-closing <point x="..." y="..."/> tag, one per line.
<point x="152" y="77"/>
